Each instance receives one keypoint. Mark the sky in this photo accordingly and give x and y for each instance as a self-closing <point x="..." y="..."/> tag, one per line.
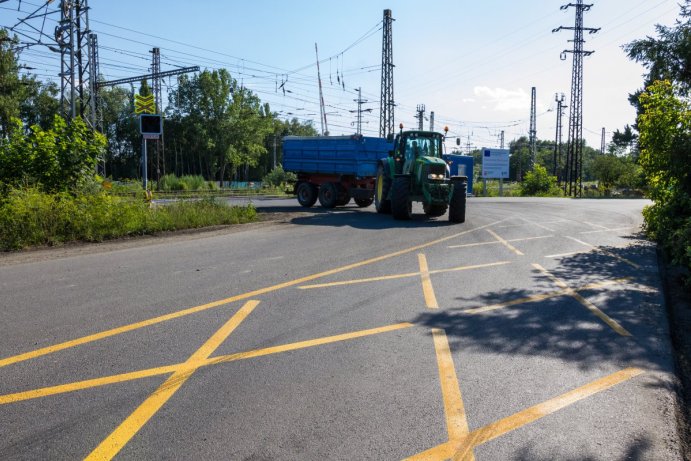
<point x="472" y="63"/>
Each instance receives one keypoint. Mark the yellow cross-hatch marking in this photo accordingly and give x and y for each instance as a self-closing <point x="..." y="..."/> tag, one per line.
<point x="461" y="449"/>
<point x="134" y="422"/>
<point x="157" y="371"/>
<point x="251" y="294"/>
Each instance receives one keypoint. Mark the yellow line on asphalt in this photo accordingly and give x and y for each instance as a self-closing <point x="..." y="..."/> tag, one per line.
<point x="543" y="296"/>
<point x="112" y="445"/>
<point x="454" y="410"/>
<point x="616" y="229"/>
<point x="365" y="280"/>
<point x="504" y="242"/>
<point x="427" y="288"/>
<point x="252" y="294"/>
<point x="113" y="379"/>
<point x="460" y="449"/>
<point x="532" y="414"/>
<point x="608" y="253"/>
<point x="613" y="324"/>
<point x="497" y="241"/>
<point x="400" y="276"/>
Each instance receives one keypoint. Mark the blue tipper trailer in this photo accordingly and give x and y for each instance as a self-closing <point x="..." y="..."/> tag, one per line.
<point x="334" y="169"/>
<point x="461" y="165"/>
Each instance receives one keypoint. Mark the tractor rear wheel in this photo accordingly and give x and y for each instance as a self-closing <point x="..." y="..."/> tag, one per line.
<point x="307" y="194"/>
<point x="401" y="206"/>
<point x="381" y="191"/>
<point x="458" y="199"/>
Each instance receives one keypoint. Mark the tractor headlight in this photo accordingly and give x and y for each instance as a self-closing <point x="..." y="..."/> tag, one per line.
<point x="435" y="176"/>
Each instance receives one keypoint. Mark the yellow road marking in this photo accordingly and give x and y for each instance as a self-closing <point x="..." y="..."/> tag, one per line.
<point x="400" y="276"/>
<point x="603" y="251"/>
<point x="454" y="410"/>
<point x="110" y="447"/>
<point x="123" y="377"/>
<point x="365" y="280"/>
<point x="460" y="449"/>
<point x="538" y="225"/>
<point x="504" y="242"/>
<point x="252" y="294"/>
<point x="543" y="296"/>
<point x="427" y="288"/>
<point x="588" y="305"/>
<point x="616" y="229"/>
<point x="496" y="241"/>
<point x="566" y="254"/>
<point x="532" y="414"/>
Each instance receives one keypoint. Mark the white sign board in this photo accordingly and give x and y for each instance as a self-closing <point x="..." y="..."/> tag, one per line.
<point x="495" y="163"/>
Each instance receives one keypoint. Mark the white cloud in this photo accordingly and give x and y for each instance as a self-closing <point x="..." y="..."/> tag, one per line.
<point x="468" y="100"/>
<point x="503" y="100"/>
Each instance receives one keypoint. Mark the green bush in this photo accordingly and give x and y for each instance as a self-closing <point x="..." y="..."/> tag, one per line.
<point x="538" y="182"/>
<point x="278" y="177"/>
<point x="30" y="217"/>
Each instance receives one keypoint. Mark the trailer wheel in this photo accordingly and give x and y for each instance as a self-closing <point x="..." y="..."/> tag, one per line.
<point x="401" y="205"/>
<point x="343" y="195"/>
<point x="364" y="202"/>
<point x="328" y="195"/>
<point x="381" y="191"/>
<point x="307" y="194"/>
<point x="458" y="199"/>
<point x="434" y="211"/>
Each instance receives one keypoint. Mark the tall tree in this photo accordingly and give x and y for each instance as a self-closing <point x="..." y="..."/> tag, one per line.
<point x="12" y="90"/>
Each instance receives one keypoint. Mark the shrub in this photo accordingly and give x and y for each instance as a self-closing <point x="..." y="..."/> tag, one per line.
<point x="278" y="177"/>
<point x="539" y="183"/>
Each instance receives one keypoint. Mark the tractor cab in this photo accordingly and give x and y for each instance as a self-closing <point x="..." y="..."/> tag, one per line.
<point x="411" y="148"/>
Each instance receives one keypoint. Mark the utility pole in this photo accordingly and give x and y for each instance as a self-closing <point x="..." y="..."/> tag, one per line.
<point x="602" y="142"/>
<point x="274" y="152"/>
<point x="501" y="140"/>
<point x="573" y="180"/>
<point x="533" y="127"/>
<point x="360" y="102"/>
<point x="556" y="158"/>
<point x="386" y="102"/>
<point x="431" y="120"/>
<point x="420" y="116"/>
<point x="322" y="110"/>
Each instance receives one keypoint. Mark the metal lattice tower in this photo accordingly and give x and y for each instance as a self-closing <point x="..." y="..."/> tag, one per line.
<point x="573" y="177"/>
<point x="360" y="102"/>
<point x="158" y="103"/>
<point x="602" y="142"/>
<point x="386" y="102"/>
<point x="556" y="160"/>
<point x="96" y="116"/>
<point x="420" y="116"/>
<point x="72" y="36"/>
<point x="533" y="127"/>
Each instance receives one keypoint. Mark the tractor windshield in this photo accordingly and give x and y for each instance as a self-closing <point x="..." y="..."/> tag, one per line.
<point x="422" y="145"/>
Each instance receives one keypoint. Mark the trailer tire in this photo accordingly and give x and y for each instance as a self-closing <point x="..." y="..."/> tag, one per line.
<point x="343" y="195"/>
<point x="307" y="194"/>
<point x="364" y="202"/>
<point x="401" y="205"/>
<point x="434" y="211"/>
<point x="328" y="195"/>
<point x="458" y="201"/>
<point x="382" y="186"/>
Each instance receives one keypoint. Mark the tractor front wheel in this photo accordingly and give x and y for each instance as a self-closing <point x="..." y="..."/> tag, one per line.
<point x="458" y="199"/>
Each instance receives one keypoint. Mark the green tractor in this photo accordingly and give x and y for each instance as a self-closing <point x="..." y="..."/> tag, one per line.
<point x="416" y="172"/>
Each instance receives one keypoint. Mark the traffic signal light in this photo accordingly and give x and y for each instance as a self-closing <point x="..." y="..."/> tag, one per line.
<point x="150" y="124"/>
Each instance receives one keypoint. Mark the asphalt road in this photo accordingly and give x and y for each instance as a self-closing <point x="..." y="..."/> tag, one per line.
<point x="534" y="331"/>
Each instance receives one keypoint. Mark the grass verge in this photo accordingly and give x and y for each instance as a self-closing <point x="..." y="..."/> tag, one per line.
<point x="29" y="217"/>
